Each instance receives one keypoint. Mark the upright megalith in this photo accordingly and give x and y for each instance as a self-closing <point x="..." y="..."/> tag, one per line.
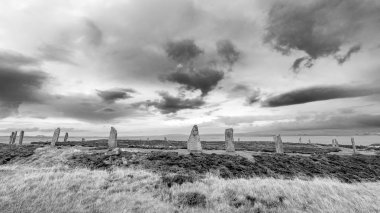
<point x="278" y="143"/>
<point x="194" y="141"/>
<point x="333" y="143"/>
<point x="112" y="140"/>
<point x="336" y="143"/>
<point x="66" y="137"/>
<point x="14" y="138"/>
<point x="309" y="141"/>
<point x="353" y="145"/>
<point x="11" y="138"/>
<point x="55" y="138"/>
<point x="229" y="136"/>
<point x="21" y="137"/>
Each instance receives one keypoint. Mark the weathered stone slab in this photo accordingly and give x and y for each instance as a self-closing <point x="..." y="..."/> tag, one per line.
<point x="66" y="137"/>
<point x="336" y="143"/>
<point x="229" y="136"/>
<point x="21" y="137"/>
<point x="55" y="138"/>
<point x="333" y="143"/>
<point x="278" y="143"/>
<point x="194" y="141"/>
<point x="309" y="141"/>
<point x="11" y="138"/>
<point x="112" y="140"/>
<point x="14" y="138"/>
<point x="353" y="145"/>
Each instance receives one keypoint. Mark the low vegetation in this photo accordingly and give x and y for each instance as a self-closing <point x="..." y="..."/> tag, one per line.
<point x="35" y="184"/>
<point x="353" y="168"/>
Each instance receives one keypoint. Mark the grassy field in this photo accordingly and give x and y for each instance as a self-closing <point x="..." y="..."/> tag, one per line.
<point x="47" y="181"/>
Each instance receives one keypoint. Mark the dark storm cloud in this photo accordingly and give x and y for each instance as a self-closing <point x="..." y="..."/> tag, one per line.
<point x="321" y="93"/>
<point x="113" y="95"/>
<point x="182" y="51"/>
<point x="14" y="59"/>
<point x="18" y="86"/>
<point x="56" y="53"/>
<point x="171" y="104"/>
<point x="204" y="79"/>
<point x="319" y="28"/>
<point x="228" y="52"/>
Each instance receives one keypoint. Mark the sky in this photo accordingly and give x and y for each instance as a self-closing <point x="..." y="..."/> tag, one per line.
<point x="152" y="67"/>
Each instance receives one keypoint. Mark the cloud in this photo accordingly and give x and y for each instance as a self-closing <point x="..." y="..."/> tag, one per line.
<point x="110" y="96"/>
<point x="56" y="53"/>
<point x="14" y="59"/>
<point x="94" y="34"/>
<point x="344" y="58"/>
<point x="183" y="51"/>
<point x="18" y="86"/>
<point x="320" y="28"/>
<point x="204" y="79"/>
<point x="228" y="52"/>
<point x="88" y="108"/>
<point x="239" y="90"/>
<point x="171" y="104"/>
<point x="319" y="93"/>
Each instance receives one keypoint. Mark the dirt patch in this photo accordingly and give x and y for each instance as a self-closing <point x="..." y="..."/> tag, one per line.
<point x="11" y="152"/>
<point x="354" y="168"/>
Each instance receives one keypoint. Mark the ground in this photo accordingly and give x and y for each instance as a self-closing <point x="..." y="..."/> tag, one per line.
<point x="40" y="178"/>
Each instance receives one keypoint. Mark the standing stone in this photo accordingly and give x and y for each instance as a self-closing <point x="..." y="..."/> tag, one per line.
<point x="83" y="140"/>
<point x="309" y="141"/>
<point x="112" y="140"/>
<point x="238" y="139"/>
<point x="14" y="138"/>
<point x="300" y="140"/>
<point x="333" y="143"/>
<point x="54" y="140"/>
<point x="336" y="143"/>
<point x="66" y="137"/>
<point x="353" y="145"/>
<point x="278" y="143"/>
<point x="21" y="137"/>
<point x="229" y="136"/>
<point x="194" y="141"/>
<point x="11" y="138"/>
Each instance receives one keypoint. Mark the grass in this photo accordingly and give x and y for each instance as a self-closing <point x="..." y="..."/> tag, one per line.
<point x="43" y="182"/>
<point x="351" y="168"/>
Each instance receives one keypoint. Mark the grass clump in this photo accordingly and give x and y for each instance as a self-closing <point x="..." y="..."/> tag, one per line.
<point x="192" y="199"/>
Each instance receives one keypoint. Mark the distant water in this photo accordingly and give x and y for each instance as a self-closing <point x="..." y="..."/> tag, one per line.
<point x="359" y="139"/>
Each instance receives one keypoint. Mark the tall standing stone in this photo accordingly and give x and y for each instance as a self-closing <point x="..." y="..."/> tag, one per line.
<point x="333" y="143"/>
<point x="66" y="137"/>
<point x="300" y="140"/>
<point x="21" y="137"/>
<point x="309" y="141"/>
<point x="194" y="141"/>
<point x="11" y="138"/>
<point x="83" y="140"/>
<point x="336" y="143"/>
<point x="14" y="138"/>
<point x="278" y="143"/>
<point x="353" y="145"/>
<point x="229" y="136"/>
<point x="55" y="138"/>
<point x="112" y="140"/>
